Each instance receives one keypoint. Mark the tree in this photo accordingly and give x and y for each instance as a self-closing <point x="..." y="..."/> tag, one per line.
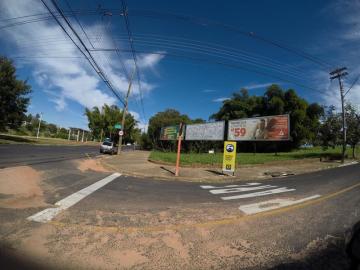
<point x="102" y="122"/>
<point x="168" y="117"/>
<point x="353" y="127"/>
<point x="304" y="118"/>
<point x="13" y="96"/>
<point x="329" y="132"/>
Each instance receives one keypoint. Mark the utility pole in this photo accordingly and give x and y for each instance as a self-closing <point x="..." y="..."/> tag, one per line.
<point x="69" y="134"/>
<point x="38" y="131"/>
<point x="338" y="74"/>
<point x="125" y="111"/>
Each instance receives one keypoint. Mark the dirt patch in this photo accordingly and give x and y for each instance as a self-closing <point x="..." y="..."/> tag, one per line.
<point x="21" y="188"/>
<point x="173" y="240"/>
<point x="90" y="164"/>
<point x="127" y="258"/>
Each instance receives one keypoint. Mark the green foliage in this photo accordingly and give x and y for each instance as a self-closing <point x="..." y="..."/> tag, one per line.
<point x="242" y="158"/>
<point x="304" y="118"/>
<point x="330" y="129"/>
<point x="353" y="127"/>
<point x="13" y="96"/>
<point x="162" y="119"/>
<point x="102" y="122"/>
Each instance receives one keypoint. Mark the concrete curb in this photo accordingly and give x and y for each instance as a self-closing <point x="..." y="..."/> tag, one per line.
<point x="222" y="179"/>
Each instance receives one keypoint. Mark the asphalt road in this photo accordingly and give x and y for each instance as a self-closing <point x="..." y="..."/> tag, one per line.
<point x="27" y="154"/>
<point x="137" y="207"/>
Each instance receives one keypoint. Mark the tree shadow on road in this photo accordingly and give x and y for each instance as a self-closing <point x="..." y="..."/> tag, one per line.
<point x="15" y="139"/>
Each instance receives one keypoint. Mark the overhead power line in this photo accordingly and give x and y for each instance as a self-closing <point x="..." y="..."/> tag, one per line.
<point x="87" y="53"/>
<point x="352" y="85"/>
<point x="206" y="22"/>
<point x="222" y="63"/>
<point x="131" y="42"/>
<point x="198" y="21"/>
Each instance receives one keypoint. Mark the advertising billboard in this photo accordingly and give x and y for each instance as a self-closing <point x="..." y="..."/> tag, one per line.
<point x="266" y="128"/>
<point x="170" y="133"/>
<point x="205" y="132"/>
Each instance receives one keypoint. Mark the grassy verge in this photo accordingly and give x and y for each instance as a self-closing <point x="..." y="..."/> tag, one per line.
<point x="15" y="139"/>
<point x="244" y="158"/>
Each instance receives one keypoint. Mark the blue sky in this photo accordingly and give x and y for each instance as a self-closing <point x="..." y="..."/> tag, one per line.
<point x="186" y="64"/>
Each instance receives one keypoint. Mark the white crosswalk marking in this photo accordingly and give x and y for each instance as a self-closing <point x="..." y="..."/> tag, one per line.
<point x="257" y="194"/>
<point x="239" y="189"/>
<point x="252" y="190"/>
<point x="245" y="189"/>
<point x="231" y="186"/>
<point x="259" y="207"/>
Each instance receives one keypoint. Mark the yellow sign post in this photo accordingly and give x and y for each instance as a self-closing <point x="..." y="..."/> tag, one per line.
<point x="229" y="159"/>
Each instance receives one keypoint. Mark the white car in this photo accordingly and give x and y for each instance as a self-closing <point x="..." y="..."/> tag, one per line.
<point x="108" y="147"/>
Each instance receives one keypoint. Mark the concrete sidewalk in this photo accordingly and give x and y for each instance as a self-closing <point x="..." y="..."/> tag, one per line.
<point x="136" y="163"/>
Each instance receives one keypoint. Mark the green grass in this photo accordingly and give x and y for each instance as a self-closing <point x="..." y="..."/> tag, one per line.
<point x="244" y="158"/>
<point x="16" y="139"/>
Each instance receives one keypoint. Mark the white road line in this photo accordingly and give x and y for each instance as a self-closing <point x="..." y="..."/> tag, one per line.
<point x="255" y="208"/>
<point x="257" y="194"/>
<point x="231" y="186"/>
<point x="239" y="189"/>
<point x="348" y="164"/>
<point x="49" y="213"/>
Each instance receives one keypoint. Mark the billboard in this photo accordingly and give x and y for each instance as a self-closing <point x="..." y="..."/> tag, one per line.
<point x="266" y="128"/>
<point x="170" y="133"/>
<point x="205" y="132"/>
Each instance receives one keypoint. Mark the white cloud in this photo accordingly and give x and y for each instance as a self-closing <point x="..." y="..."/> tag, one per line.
<point x="221" y="99"/>
<point x="259" y="85"/>
<point x="208" y="91"/>
<point x="71" y="78"/>
<point x="141" y="124"/>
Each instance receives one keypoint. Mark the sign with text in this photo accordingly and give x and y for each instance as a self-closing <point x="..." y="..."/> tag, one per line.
<point x="205" y="132"/>
<point x="170" y="133"/>
<point x="266" y="128"/>
<point x="229" y="158"/>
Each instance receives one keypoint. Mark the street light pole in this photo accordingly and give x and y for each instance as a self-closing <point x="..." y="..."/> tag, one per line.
<point x="125" y="111"/>
<point x="37" y="135"/>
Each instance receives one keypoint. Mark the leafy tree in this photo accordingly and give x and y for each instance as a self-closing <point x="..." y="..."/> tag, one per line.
<point x="102" y="122"/>
<point x="329" y="132"/>
<point x="13" y="96"/>
<point x="304" y="118"/>
<point x="353" y="127"/>
<point x="161" y="119"/>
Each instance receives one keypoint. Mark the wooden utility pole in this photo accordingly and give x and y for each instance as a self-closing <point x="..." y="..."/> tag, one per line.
<point x="125" y="111"/>
<point x="338" y="74"/>
<point x="177" y="167"/>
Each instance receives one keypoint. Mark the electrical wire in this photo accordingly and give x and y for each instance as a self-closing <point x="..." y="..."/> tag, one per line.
<point x="226" y="64"/>
<point x="352" y="85"/>
<point x="89" y="57"/>
<point x="128" y="29"/>
<point x="206" y="22"/>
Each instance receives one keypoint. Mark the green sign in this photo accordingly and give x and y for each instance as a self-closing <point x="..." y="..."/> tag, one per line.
<point x="170" y="133"/>
<point x="117" y="126"/>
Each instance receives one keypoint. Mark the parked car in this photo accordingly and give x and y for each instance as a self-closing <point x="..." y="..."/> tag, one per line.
<point x="108" y="147"/>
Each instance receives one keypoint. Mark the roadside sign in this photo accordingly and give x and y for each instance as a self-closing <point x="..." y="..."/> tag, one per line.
<point x="170" y="133"/>
<point x="205" y="131"/>
<point x="229" y="157"/>
<point x="121" y="133"/>
<point x="264" y="128"/>
<point x="117" y="126"/>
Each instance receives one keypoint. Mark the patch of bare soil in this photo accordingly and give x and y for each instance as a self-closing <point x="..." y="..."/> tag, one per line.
<point x="20" y="187"/>
<point x="90" y="164"/>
